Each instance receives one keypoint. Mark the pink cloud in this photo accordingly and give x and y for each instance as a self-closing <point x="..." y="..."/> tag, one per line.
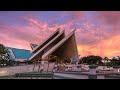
<point x="21" y="36"/>
<point x="103" y="40"/>
<point x="112" y="17"/>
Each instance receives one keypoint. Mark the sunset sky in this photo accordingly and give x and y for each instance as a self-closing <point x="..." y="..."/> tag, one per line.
<point x="97" y="32"/>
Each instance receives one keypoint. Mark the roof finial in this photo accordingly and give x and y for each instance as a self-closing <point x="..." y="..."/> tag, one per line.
<point x="58" y="28"/>
<point x="74" y="30"/>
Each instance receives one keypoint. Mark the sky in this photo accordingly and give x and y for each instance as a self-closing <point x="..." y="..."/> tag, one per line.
<point x="97" y="32"/>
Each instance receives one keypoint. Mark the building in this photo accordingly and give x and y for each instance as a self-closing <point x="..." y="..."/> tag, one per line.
<point x="57" y="44"/>
<point x="19" y="54"/>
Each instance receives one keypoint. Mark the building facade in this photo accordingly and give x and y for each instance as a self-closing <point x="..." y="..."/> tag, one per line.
<point x="57" y="44"/>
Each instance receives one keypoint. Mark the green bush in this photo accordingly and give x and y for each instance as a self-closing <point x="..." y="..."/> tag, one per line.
<point x="30" y="62"/>
<point x="113" y="63"/>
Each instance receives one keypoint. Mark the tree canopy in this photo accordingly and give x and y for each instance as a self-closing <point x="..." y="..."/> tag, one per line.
<point x="3" y="50"/>
<point x="3" y="53"/>
<point x="91" y="59"/>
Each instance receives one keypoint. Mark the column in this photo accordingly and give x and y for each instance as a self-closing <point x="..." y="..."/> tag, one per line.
<point x="92" y="72"/>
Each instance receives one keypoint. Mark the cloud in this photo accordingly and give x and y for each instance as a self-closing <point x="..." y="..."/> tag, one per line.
<point x="110" y="17"/>
<point x="20" y="36"/>
<point x="97" y="35"/>
<point x="109" y="48"/>
<point x="103" y="40"/>
<point x="35" y="32"/>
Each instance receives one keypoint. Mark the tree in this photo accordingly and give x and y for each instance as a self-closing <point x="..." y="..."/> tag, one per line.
<point x="114" y="59"/>
<point x="3" y="54"/>
<point x="114" y="62"/>
<point x="3" y="50"/>
<point x="91" y="59"/>
<point x="106" y="58"/>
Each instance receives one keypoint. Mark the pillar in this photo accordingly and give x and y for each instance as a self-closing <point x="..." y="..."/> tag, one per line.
<point x="92" y="72"/>
<point x="116" y="69"/>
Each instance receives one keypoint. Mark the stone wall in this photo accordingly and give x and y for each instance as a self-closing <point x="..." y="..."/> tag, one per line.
<point x="15" y="69"/>
<point x="5" y="71"/>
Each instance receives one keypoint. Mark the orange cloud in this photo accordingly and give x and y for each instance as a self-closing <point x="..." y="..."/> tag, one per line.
<point x="109" y="48"/>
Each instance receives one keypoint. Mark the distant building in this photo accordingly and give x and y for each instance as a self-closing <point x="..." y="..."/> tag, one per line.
<point x="106" y="61"/>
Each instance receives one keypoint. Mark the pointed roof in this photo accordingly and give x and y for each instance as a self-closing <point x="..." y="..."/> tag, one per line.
<point x="33" y="45"/>
<point x="60" y="44"/>
<point x="46" y="41"/>
<point x="57" y="38"/>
